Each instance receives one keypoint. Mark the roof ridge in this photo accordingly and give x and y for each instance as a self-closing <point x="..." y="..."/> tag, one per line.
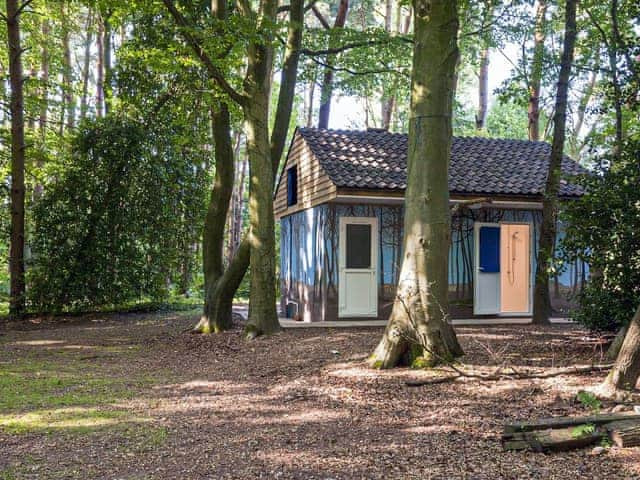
<point x="347" y="131"/>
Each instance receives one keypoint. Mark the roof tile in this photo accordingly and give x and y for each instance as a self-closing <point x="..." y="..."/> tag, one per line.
<point x="378" y="160"/>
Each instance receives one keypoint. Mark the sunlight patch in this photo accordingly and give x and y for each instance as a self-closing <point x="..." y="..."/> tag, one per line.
<point x="37" y="343"/>
<point x="73" y="418"/>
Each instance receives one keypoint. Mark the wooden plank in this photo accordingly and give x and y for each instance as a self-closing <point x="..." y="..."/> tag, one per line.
<point x="552" y="440"/>
<point x="314" y="185"/>
<point x="624" y="433"/>
<point x="562" y="439"/>
<point x="562" y="422"/>
<point x="304" y="205"/>
<point x="308" y="192"/>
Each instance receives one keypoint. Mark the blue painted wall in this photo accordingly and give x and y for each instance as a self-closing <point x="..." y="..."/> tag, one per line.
<point x="309" y="257"/>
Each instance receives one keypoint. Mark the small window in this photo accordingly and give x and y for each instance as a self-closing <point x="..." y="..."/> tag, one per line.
<point x="358" y="246"/>
<point x="292" y="186"/>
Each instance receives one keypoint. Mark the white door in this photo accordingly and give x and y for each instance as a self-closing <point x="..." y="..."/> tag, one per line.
<point x="358" y="264"/>
<point x="486" y="291"/>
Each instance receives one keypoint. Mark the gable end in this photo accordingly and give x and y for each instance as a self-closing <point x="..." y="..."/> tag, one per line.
<point x="313" y="184"/>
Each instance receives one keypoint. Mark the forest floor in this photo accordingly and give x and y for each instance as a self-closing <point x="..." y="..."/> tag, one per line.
<point x="133" y="396"/>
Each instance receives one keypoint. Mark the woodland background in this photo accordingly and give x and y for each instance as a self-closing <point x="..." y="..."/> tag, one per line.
<point x="119" y="143"/>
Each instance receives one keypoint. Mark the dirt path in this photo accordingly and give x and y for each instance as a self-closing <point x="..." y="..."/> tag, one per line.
<point x="133" y="397"/>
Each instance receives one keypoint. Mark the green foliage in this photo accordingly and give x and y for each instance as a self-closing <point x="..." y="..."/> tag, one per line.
<point x="603" y="229"/>
<point x="606" y="442"/>
<point x="583" y="430"/>
<point x="507" y="120"/>
<point x="111" y="227"/>
<point x="590" y="401"/>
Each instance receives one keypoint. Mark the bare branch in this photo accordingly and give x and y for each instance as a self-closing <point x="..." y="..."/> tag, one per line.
<point x="461" y="375"/>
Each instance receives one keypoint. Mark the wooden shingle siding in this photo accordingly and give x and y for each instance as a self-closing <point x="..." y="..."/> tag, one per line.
<point x="314" y="186"/>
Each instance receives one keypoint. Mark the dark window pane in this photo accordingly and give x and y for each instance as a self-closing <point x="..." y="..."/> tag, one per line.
<point x="489" y="249"/>
<point x="358" y="246"/>
<point x="292" y="186"/>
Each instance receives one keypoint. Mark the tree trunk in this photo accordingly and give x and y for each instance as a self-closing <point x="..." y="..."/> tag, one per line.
<point x="44" y="68"/>
<point x="417" y="330"/>
<point x="215" y="220"/>
<point x="16" y="251"/>
<point x="312" y="90"/>
<point x="234" y="217"/>
<point x="388" y="94"/>
<point x="536" y="71"/>
<point x="264" y="157"/>
<point x="44" y="105"/>
<point x="68" y="108"/>
<point x="483" y="89"/>
<point x="483" y="74"/>
<point x="614" y="349"/>
<point x="625" y="372"/>
<point x="615" y="81"/>
<point x="86" y="64"/>
<point x="263" y="318"/>
<point x="576" y="144"/>
<point x="326" y="89"/>
<point x="541" y="300"/>
<point x="107" y="87"/>
<point x="100" y="70"/>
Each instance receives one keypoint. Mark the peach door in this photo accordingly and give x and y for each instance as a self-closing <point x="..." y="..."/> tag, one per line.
<point x="515" y="273"/>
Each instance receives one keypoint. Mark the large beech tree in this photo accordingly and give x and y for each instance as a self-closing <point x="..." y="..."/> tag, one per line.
<point x="548" y="229"/>
<point x="264" y="149"/>
<point x="417" y="330"/>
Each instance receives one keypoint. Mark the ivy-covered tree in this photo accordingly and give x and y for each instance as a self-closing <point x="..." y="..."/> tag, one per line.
<point x="108" y="229"/>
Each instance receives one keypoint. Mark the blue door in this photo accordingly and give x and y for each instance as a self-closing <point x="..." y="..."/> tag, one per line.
<point x="486" y="295"/>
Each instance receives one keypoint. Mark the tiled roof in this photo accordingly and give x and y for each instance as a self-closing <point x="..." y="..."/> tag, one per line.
<point x="377" y="159"/>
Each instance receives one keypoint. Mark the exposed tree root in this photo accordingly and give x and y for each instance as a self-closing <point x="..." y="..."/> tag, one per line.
<point x="604" y="391"/>
<point x="501" y="374"/>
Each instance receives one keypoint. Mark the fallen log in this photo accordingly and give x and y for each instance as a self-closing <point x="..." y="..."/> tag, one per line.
<point x="564" y="422"/>
<point x="563" y="439"/>
<point x="624" y="433"/>
<point x="553" y="440"/>
<point x="566" y="433"/>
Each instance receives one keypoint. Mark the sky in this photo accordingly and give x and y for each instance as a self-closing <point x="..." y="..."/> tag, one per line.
<point x="348" y="112"/>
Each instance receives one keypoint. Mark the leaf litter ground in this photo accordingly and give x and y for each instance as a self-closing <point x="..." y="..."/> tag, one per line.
<point x="133" y="396"/>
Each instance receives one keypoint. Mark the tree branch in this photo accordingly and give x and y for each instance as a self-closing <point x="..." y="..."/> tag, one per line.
<point x="320" y="17"/>
<point x="466" y="203"/>
<point x="355" y="72"/>
<point x="515" y="375"/>
<point x="195" y="45"/>
<point x="287" y="82"/>
<point x="343" y="48"/>
<point x="286" y="8"/>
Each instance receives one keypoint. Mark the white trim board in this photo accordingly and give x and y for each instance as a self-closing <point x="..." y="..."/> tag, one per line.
<point x="390" y="200"/>
<point x="504" y="321"/>
<point x="462" y="322"/>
